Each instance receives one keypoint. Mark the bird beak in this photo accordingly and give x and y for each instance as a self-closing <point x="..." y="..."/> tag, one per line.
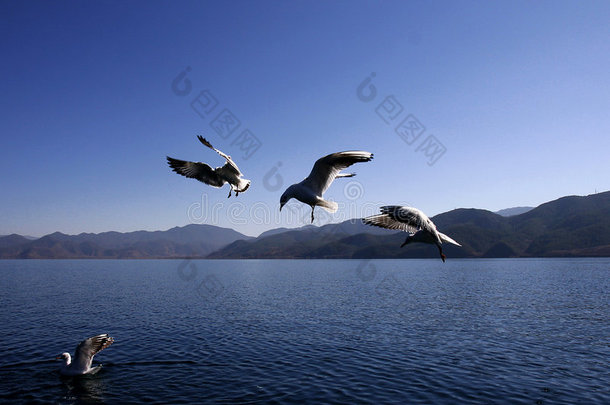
<point x="281" y="206"/>
<point x="58" y="358"/>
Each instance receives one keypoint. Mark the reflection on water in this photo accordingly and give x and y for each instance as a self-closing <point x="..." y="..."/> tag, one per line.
<point x="84" y="389"/>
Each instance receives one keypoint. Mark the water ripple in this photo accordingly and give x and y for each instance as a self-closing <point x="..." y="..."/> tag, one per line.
<point x="469" y="331"/>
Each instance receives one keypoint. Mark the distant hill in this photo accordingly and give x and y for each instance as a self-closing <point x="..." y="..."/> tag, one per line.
<point x="188" y="241"/>
<point x="509" y="212"/>
<point x="277" y="231"/>
<point x="23" y="236"/>
<point x="9" y="241"/>
<point x="569" y="226"/>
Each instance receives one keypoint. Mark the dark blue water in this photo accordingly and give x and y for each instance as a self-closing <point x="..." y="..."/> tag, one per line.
<point x="339" y="331"/>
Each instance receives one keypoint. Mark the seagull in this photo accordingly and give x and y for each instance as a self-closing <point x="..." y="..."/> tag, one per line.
<point x="218" y="177"/>
<point x="83" y="356"/>
<point x="413" y="221"/>
<point x="324" y="171"/>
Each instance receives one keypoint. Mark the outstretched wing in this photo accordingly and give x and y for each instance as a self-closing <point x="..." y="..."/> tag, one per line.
<point x="89" y="348"/>
<point x="196" y="170"/>
<point x="409" y="215"/>
<point x="327" y="168"/>
<point x="406" y="219"/>
<point x="385" y="221"/>
<point x="227" y="157"/>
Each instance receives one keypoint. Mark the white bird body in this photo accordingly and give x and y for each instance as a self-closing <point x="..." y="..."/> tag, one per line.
<point x="83" y="356"/>
<point x="413" y="221"/>
<point x="324" y="171"/>
<point x="218" y="177"/>
<point x="308" y="196"/>
<point x="233" y="177"/>
<point x="427" y="237"/>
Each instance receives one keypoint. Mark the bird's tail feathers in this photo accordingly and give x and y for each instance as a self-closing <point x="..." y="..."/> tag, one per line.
<point x="329" y="206"/>
<point x="243" y="185"/>
<point x="447" y="239"/>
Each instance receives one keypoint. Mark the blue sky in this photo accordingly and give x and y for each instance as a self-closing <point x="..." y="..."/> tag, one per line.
<point x="516" y="94"/>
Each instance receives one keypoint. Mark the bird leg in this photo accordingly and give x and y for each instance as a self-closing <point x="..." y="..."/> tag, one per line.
<point x="312" y="208"/>
<point x="236" y="193"/>
<point x="440" y="250"/>
<point x="230" y="189"/>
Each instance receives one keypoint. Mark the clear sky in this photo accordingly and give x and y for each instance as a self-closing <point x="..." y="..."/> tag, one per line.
<point x="515" y="94"/>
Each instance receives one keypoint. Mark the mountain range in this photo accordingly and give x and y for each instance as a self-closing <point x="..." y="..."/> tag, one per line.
<point x="569" y="226"/>
<point x="188" y="241"/>
<point x="509" y="212"/>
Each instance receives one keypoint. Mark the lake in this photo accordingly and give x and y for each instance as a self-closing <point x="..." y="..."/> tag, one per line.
<point x="531" y="331"/>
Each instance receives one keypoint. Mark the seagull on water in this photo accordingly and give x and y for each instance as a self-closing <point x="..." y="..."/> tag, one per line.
<point x="218" y="177"/>
<point x="324" y="171"/>
<point x="413" y="221"/>
<point x="83" y="356"/>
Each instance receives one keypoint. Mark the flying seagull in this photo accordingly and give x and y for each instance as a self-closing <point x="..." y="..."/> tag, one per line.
<point x="413" y="221"/>
<point x="83" y="356"/>
<point x="324" y="171"/>
<point x="218" y="177"/>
